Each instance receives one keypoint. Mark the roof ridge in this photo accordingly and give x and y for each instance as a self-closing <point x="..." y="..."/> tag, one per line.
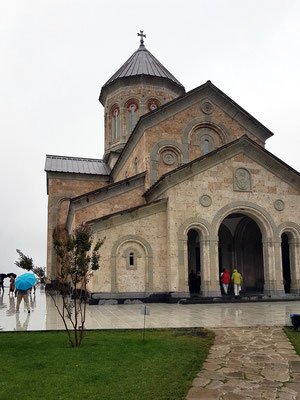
<point x="75" y="158"/>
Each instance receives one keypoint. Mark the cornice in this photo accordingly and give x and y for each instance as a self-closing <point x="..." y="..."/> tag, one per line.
<point x="243" y="145"/>
<point x="207" y="90"/>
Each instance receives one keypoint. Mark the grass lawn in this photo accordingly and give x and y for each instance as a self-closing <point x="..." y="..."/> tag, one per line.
<point x="294" y="338"/>
<point x="109" y="365"/>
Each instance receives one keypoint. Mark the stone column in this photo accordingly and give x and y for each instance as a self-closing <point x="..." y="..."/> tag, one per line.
<point x="183" y="284"/>
<point x="205" y="268"/>
<point x="294" y="248"/>
<point x="272" y="273"/>
<point x="278" y="287"/>
<point x="214" y="289"/>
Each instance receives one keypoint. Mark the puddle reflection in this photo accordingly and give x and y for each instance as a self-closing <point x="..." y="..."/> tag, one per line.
<point x="32" y="300"/>
<point x="11" y="305"/>
<point x="2" y="303"/>
<point x="24" y="326"/>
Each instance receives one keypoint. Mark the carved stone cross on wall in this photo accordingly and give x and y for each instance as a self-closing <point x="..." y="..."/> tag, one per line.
<point x="142" y="35"/>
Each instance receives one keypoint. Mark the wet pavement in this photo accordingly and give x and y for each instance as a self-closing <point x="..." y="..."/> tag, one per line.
<point x="44" y="316"/>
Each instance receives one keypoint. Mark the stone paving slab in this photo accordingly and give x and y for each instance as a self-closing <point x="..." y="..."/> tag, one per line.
<point x="249" y="363"/>
<point x="44" y="316"/>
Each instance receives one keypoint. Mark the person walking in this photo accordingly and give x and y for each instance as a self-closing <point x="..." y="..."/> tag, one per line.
<point x="22" y="294"/>
<point x="237" y="282"/>
<point x="220" y="281"/>
<point x="34" y="289"/>
<point x="225" y="279"/>
<point x="12" y="285"/>
<point x="1" y="283"/>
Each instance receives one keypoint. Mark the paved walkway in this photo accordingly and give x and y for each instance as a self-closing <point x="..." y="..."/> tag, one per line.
<point x="44" y="315"/>
<point x="249" y="363"/>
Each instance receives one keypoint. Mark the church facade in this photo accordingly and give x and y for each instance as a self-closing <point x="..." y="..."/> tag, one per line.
<point x="185" y="184"/>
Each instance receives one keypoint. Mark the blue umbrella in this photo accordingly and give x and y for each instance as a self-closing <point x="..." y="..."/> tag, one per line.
<point x="25" y="281"/>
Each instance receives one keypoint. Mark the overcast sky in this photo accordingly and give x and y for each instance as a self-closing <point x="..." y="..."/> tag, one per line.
<point x="56" y="55"/>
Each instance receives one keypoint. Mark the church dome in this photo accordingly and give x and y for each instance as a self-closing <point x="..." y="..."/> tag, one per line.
<point x="141" y="64"/>
<point x="141" y="85"/>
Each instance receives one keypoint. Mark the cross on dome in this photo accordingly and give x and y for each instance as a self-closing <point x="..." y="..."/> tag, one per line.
<point x="142" y="35"/>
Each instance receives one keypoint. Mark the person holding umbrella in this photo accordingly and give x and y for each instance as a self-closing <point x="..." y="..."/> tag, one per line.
<point x="2" y="276"/>
<point x="23" y="283"/>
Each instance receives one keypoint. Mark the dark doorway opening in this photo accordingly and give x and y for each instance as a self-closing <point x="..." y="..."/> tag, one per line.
<point x="194" y="262"/>
<point x="286" y="269"/>
<point x="240" y="247"/>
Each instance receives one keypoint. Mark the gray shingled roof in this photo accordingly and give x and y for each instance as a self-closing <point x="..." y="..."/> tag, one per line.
<point x="76" y="165"/>
<point x="142" y="62"/>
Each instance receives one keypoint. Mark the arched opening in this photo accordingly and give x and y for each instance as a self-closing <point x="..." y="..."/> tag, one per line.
<point x="286" y="264"/>
<point x="240" y="247"/>
<point x="131" y="259"/>
<point x="115" y="112"/>
<point x="194" y="262"/>
<point x="206" y="146"/>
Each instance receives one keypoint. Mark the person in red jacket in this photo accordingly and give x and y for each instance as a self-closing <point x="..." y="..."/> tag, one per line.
<point x="225" y="279"/>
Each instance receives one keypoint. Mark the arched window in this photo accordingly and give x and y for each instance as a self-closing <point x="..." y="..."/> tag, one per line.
<point x="132" y="107"/>
<point x="206" y="146"/>
<point x="115" y="122"/>
<point x="131" y="259"/>
<point x="153" y="104"/>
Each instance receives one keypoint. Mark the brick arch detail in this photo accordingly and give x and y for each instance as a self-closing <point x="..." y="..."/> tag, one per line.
<point x="113" y="257"/>
<point x="204" y="122"/>
<point x="154" y="155"/>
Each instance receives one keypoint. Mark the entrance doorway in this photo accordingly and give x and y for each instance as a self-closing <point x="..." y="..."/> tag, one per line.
<point x="286" y="265"/>
<point x="194" y="262"/>
<point x="240" y="247"/>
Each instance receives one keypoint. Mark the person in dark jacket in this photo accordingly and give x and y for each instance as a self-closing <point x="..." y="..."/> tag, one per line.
<point x="1" y="283"/>
<point x="192" y="281"/>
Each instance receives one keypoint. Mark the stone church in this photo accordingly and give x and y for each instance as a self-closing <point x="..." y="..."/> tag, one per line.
<point x="185" y="184"/>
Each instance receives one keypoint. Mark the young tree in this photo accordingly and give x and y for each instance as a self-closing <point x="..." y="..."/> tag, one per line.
<point x="26" y="262"/>
<point x="77" y="262"/>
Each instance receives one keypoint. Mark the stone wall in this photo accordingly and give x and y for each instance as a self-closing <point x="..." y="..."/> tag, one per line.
<point x="60" y="190"/>
<point x="144" y="235"/>
<point x="112" y="205"/>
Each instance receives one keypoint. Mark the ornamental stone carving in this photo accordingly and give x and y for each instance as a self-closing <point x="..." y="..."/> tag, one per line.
<point x="207" y="107"/>
<point x="169" y="157"/>
<point x="205" y="200"/>
<point x="279" y="205"/>
<point x="242" y="180"/>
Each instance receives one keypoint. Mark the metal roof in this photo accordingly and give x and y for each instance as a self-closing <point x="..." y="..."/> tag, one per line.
<point x="76" y="165"/>
<point x="142" y="62"/>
